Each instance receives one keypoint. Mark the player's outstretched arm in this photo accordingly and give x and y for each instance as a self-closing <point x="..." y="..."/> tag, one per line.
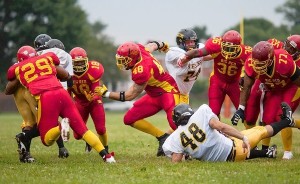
<point x="128" y="95"/>
<point x="229" y="130"/>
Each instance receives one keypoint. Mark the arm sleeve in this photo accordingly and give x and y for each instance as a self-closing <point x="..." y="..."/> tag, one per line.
<point x="172" y="145"/>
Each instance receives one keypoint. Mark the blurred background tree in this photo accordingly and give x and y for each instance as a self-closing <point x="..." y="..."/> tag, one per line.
<point x="22" y="21"/>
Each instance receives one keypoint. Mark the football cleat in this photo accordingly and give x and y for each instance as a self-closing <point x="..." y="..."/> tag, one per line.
<point x="88" y="148"/>
<point x="24" y="155"/>
<point x="161" y="140"/>
<point x="109" y="158"/>
<point x="63" y="152"/>
<point x="272" y="151"/>
<point x="287" y="155"/>
<point x="21" y="145"/>
<point x="65" y="129"/>
<point x="287" y="113"/>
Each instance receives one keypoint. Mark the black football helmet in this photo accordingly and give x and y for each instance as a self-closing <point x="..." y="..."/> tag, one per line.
<point x="181" y="114"/>
<point x="40" y="42"/>
<point x="55" y="43"/>
<point x="186" y="35"/>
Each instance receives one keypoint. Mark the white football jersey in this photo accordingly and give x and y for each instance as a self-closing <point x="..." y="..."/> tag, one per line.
<point x="185" y="76"/>
<point x="64" y="58"/>
<point x="198" y="139"/>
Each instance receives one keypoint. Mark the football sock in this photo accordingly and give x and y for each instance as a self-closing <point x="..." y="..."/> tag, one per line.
<point x="51" y="136"/>
<point x="103" y="139"/>
<point x="32" y="133"/>
<point x="93" y="141"/>
<point x="103" y="152"/>
<point x="286" y="136"/>
<point x="148" y="128"/>
<point x="60" y="142"/>
<point x="278" y="126"/>
<point x="106" y="148"/>
<point x="265" y="143"/>
<point x="265" y="147"/>
<point x="258" y="153"/>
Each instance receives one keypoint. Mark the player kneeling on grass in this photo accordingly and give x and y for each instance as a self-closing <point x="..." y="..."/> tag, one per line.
<point x="202" y="136"/>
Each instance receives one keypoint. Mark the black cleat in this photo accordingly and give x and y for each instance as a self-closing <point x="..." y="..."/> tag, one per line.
<point x="63" y="152"/>
<point x="272" y="151"/>
<point x="21" y="145"/>
<point x="161" y="140"/>
<point x="24" y="155"/>
<point x="88" y="148"/>
<point x="287" y="113"/>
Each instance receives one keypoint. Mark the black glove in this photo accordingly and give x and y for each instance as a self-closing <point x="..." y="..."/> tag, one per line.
<point x="239" y="114"/>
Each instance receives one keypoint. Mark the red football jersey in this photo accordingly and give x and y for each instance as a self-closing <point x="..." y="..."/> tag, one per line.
<point x="227" y="70"/>
<point x="38" y="73"/>
<point x="279" y="77"/>
<point x="88" y="80"/>
<point x="150" y="71"/>
<point x="279" y="45"/>
<point x="276" y="43"/>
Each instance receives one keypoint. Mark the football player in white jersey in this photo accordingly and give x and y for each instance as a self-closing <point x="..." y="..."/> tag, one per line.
<point x="58" y="48"/>
<point x="186" y="75"/>
<point x="202" y="136"/>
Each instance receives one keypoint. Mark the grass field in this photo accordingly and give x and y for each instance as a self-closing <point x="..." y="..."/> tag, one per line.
<point x="136" y="160"/>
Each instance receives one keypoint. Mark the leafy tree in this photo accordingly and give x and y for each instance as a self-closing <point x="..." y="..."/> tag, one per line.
<point x="201" y="32"/>
<point x="22" y="21"/>
<point x="257" y="29"/>
<point x="291" y="11"/>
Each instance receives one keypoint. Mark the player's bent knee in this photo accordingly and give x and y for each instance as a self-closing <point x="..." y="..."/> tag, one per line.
<point x="128" y="120"/>
<point x="101" y="131"/>
<point x="76" y="136"/>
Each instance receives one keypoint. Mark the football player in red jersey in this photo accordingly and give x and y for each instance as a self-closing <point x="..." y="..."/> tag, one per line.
<point x="25" y="102"/>
<point x="43" y="43"/>
<point x="229" y="55"/>
<point x="87" y="76"/>
<point x="276" y="69"/>
<point x="38" y="74"/>
<point x="147" y="74"/>
<point x="291" y="96"/>
<point x="26" y="105"/>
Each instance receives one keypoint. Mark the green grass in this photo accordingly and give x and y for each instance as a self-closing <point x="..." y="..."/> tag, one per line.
<point x="136" y="160"/>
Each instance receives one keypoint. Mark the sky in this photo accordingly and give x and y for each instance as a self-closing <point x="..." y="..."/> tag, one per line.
<point x="141" y="20"/>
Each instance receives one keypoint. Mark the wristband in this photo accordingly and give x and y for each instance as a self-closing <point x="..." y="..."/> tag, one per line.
<point x="157" y="44"/>
<point x="241" y="107"/>
<point x="245" y="139"/>
<point x="163" y="44"/>
<point x="106" y="95"/>
<point x="122" y="96"/>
